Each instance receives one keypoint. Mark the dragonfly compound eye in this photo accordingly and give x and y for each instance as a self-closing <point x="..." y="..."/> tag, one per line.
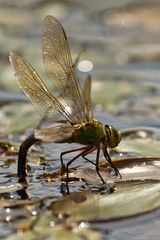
<point x="113" y="136"/>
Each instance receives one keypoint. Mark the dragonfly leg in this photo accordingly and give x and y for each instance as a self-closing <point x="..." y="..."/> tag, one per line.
<point x="85" y="150"/>
<point x="21" y="169"/>
<point x="69" y="151"/>
<point x="89" y="151"/>
<point x="88" y="160"/>
<point x="107" y="157"/>
<point x="97" y="164"/>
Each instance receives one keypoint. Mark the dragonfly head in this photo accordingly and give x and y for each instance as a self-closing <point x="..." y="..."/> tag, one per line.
<point x="113" y="136"/>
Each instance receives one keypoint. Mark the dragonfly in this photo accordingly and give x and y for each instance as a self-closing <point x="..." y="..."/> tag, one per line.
<point x="69" y="105"/>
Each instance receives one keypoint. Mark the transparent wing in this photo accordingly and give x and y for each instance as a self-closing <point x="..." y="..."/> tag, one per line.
<point x="87" y="98"/>
<point x="58" y="63"/>
<point x="43" y="101"/>
<point x="86" y="94"/>
<point x="55" y="135"/>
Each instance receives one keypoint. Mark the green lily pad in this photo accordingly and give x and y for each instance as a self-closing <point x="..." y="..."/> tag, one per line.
<point x="17" y="117"/>
<point x="109" y="94"/>
<point x="147" y="147"/>
<point x="45" y="227"/>
<point x="131" y="198"/>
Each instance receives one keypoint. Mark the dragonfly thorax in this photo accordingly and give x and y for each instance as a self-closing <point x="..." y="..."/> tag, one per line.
<point x="90" y="133"/>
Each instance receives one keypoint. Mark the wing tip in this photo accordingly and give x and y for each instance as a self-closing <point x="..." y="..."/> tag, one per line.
<point x="13" y="57"/>
<point x="50" y="19"/>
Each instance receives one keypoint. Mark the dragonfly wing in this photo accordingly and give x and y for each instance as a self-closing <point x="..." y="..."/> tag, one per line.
<point x="87" y="98"/>
<point x="58" y="63"/>
<point x="61" y="134"/>
<point x="86" y="94"/>
<point x="43" y="101"/>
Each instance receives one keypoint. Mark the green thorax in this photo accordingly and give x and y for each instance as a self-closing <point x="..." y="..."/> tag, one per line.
<point x="90" y="133"/>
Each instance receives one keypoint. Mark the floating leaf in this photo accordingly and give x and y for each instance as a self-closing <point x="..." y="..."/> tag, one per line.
<point x="147" y="147"/>
<point x="10" y="188"/>
<point x="45" y="227"/>
<point x="17" y="117"/>
<point x="130" y="198"/>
